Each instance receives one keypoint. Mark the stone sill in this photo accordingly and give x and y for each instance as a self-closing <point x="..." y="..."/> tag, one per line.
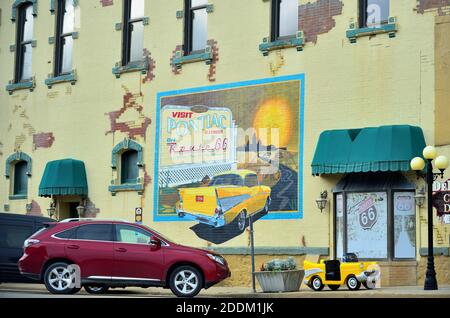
<point x="204" y="55"/>
<point x="18" y="197"/>
<point x="266" y="46"/>
<point x="65" y="78"/>
<point x="391" y="28"/>
<point x="12" y="87"/>
<point x="138" y="187"/>
<point x="139" y="66"/>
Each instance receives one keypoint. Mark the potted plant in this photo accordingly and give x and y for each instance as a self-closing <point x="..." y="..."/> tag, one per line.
<point x="280" y="276"/>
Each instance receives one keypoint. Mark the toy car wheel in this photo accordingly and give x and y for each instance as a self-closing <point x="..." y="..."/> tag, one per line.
<point x="353" y="283"/>
<point x="316" y="283"/>
<point x="242" y="221"/>
<point x="369" y="285"/>
<point x="334" y="287"/>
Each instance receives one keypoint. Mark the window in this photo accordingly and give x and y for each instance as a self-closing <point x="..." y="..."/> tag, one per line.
<point x="227" y="179"/>
<point x="13" y="236"/>
<point x="132" y="234"/>
<point x="133" y="31"/>
<point x="284" y="19"/>
<point x="24" y="43"/>
<point x="251" y="180"/>
<point x="65" y="23"/>
<point x="66" y="234"/>
<point x="404" y="225"/>
<point x="195" y="27"/>
<point x="129" y="168"/>
<point x="95" y="232"/>
<point x="20" y="178"/>
<point x="373" y="13"/>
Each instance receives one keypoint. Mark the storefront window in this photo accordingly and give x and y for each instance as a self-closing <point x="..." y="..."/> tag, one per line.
<point x="367" y="224"/>
<point x="404" y="225"/>
<point x="339" y="226"/>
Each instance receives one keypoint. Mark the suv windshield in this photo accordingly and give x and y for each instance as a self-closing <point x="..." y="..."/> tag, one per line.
<point x="227" y="179"/>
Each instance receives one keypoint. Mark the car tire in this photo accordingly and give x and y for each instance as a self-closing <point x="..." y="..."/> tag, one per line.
<point x="185" y="281"/>
<point x="316" y="283"/>
<point x="58" y="279"/>
<point x="96" y="289"/>
<point x="265" y="210"/>
<point x="353" y="283"/>
<point x="334" y="287"/>
<point x="369" y="286"/>
<point x="241" y="221"/>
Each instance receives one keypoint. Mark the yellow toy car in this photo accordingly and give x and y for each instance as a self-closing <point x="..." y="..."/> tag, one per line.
<point x="230" y="196"/>
<point x="333" y="273"/>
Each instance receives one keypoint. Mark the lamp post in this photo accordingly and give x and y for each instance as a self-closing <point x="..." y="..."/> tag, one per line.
<point x="418" y="164"/>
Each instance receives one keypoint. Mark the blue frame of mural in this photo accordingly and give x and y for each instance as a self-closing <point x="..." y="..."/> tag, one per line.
<point x="272" y="215"/>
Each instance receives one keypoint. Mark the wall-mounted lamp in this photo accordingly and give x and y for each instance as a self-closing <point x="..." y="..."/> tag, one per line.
<point x="81" y="209"/>
<point x="52" y="209"/>
<point x="322" y="201"/>
<point x="420" y="196"/>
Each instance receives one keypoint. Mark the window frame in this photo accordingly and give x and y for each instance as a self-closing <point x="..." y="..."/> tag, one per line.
<point x="20" y="43"/>
<point x="24" y="178"/>
<point x="122" y="166"/>
<point x="189" y="11"/>
<point x="59" y="40"/>
<point x="390" y="234"/>
<point x="127" y="32"/>
<point x="275" y="23"/>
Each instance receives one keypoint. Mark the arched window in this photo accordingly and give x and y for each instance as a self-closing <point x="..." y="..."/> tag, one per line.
<point x="129" y="169"/>
<point x="20" y="178"/>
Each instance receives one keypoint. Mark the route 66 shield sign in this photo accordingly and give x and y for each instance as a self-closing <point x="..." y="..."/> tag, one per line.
<point x="368" y="218"/>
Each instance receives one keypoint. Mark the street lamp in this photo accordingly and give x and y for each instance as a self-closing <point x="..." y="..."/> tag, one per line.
<point x="418" y="164"/>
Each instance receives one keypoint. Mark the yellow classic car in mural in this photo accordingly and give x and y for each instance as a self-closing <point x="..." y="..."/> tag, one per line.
<point x="333" y="273"/>
<point x="230" y="197"/>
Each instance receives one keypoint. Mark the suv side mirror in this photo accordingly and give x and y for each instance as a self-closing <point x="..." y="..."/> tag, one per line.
<point x="154" y="243"/>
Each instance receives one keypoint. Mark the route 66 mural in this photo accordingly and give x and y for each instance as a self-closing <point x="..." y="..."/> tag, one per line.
<point x="229" y="152"/>
<point x="367" y="213"/>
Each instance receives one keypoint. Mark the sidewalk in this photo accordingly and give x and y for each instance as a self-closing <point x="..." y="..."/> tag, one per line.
<point x="243" y="292"/>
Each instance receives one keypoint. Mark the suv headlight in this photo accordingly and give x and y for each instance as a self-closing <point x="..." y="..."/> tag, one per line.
<point x="216" y="258"/>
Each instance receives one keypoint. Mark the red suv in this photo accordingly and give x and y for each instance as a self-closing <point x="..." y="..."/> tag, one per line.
<point x="116" y="254"/>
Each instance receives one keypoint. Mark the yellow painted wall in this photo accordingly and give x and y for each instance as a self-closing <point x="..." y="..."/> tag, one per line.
<point x="377" y="81"/>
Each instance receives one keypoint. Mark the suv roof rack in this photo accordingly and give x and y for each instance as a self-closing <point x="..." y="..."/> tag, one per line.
<point x="90" y="219"/>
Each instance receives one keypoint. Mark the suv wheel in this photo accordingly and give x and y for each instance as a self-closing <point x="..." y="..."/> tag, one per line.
<point x="185" y="281"/>
<point x="58" y="279"/>
<point x="96" y="289"/>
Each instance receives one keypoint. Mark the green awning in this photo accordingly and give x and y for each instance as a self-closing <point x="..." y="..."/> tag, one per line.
<point x="384" y="148"/>
<point x="64" y="177"/>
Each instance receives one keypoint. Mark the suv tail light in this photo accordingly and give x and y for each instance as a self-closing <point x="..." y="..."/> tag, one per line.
<point x="30" y="242"/>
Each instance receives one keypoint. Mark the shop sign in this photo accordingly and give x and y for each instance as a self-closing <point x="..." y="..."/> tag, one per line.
<point x="441" y="197"/>
<point x="138" y="215"/>
<point x="367" y="214"/>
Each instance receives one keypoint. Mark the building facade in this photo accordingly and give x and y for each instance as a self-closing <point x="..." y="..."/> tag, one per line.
<point x="109" y="107"/>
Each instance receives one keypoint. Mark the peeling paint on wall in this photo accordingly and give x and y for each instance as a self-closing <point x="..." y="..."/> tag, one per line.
<point x="91" y="210"/>
<point x="43" y="140"/>
<point x="175" y="70"/>
<point x="151" y="67"/>
<point x="35" y="209"/>
<point x="317" y="18"/>
<point x="130" y="118"/>
<point x="106" y="3"/>
<point x="276" y="65"/>
<point x="215" y="59"/>
<point x="442" y="6"/>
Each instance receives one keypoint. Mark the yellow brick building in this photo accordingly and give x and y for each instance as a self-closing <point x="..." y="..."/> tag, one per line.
<point x="96" y="101"/>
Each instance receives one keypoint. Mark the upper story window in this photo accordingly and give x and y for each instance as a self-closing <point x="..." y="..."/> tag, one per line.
<point x="129" y="171"/>
<point x="133" y="31"/>
<point x="20" y="186"/>
<point x="373" y="13"/>
<point x="195" y="26"/>
<point x="24" y="43"/>
<point x="284" y="19"/>
<point x="65" y="24"/>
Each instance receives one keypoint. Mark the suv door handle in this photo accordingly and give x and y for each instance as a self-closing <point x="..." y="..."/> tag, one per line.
<point x="73" y="247"/>
<point x="121" y="249"/>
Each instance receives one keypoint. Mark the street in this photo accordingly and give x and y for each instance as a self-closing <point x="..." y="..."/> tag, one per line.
<point x="39" y="291"/>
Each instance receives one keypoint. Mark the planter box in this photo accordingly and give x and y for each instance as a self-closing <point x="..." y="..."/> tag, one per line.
<point x="280" y="281"/>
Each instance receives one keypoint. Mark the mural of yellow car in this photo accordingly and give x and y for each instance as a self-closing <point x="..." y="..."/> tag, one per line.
<point x="333" y="273"/>
<point x="229" y="196"/>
